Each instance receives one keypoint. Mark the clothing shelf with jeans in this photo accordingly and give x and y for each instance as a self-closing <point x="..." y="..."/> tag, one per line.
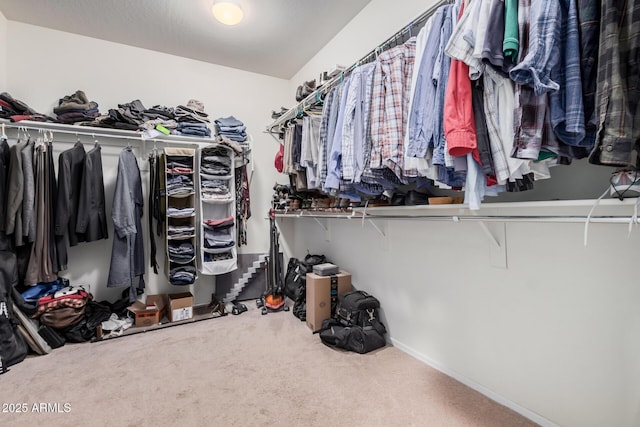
<point x="217" y="210"/>
<point x="179" y="174"/>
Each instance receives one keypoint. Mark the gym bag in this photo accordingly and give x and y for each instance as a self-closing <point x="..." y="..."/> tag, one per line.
<point x="295" y="282"/>
<point x="355" y="325"/>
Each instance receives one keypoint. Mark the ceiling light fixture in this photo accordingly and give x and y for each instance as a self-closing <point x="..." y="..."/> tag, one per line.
<point x="227" y="11"/>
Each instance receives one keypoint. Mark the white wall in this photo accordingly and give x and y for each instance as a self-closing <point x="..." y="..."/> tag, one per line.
<point x="378" y="21"/>
<point x="3" y="51"/>
<point x="57" y="63"/>
<point x="554" y="335"/>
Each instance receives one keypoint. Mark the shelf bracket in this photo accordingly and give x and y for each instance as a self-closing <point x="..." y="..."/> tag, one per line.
<point x="378" y="229"/>
<point x="382" y="232"/>
<point x="497" y="242"/>
<point x="325" y="227"/>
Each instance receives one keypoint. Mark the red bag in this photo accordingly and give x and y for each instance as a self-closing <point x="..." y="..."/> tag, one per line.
<point x="279" y="162"/>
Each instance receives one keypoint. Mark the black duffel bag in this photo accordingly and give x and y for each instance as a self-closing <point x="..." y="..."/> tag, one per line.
<point x="355" y="325"/>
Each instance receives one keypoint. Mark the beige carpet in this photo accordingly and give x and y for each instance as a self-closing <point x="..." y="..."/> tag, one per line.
<point x="246" y="370"/>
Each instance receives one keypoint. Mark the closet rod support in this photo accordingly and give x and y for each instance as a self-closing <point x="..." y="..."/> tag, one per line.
<point x="490" y="235"/>
<point x="378" y="229"/>
<point x="324" y="227"/>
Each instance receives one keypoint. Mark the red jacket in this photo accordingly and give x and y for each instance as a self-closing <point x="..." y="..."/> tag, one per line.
<point x="459" y="122"/>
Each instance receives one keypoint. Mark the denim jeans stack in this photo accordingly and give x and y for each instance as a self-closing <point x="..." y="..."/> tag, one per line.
<point x="183" y="275"/>
<point x="181" y="252"/>
<point x="192" y="120"/>
<point x="231" y="128"/>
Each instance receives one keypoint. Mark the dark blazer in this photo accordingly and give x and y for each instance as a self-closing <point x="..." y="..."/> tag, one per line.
<point x="4" y="178"/>
<point x="92" y="217"/>
<point x="71" y="165"/>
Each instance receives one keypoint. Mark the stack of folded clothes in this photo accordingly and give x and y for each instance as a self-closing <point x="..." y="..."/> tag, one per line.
<point x="177" y="232"/>
<point x="16" y="110"/>
<point x="215" y="161"/>
<point x="159" y="115"/>
<point x="183" y="275"/>
<point x="127" y="116"/>
<point x="180" y="212"/>
<point x="218" y="241"/>
<point x="232" y="128"/>
<point x="179" y="185"/>
<point x="181" y="253"/>
<point x="218" y="224"/>
<point x="76" y="108"/>
<point x="215" y="190"/>
<point x="179" y="164"/>
<point x="217" y="257"/>
<point x="192" y="120"/>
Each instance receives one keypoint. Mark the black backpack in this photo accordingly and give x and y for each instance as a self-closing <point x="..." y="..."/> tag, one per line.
<point x="295" y="282"/>
<point x="355" y="325"/>
<point x="13" y="349"/>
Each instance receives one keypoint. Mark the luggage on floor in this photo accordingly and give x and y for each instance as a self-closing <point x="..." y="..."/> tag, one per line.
<point x="355" y="325"/>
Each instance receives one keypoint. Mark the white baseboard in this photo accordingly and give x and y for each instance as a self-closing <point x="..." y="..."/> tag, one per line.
<point x="477" y="387"/>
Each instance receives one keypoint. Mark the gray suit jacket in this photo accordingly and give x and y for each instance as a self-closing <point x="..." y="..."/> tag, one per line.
<point x="15" y="193"/>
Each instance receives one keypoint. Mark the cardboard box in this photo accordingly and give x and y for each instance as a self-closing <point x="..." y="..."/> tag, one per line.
<point x="179" y="306"/>
<point x="149" y="313"/>
<point x="320" y="290"/>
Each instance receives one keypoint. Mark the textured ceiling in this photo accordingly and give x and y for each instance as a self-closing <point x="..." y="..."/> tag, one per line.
<point x="277" y="37"/>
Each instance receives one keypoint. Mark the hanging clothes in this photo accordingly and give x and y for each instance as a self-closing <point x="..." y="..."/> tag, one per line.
<point x="43" y="263"/>
<point x="15" y="193"/>
<point x="127" y="254"/>
<point x="618" y="84"/>
<point x="4" y="180"/>
<point x="389" y="107"/>
<point x="91" y="220"/>
<point x="71" y="164"/>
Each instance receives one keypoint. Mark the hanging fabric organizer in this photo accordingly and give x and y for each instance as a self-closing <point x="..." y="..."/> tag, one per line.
<point x="180" y="204"/>
<point x="217" y="197"/>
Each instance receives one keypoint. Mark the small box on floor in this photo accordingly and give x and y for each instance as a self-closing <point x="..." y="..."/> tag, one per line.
<point x="179" y="306"/>
<point x="149" y="313"/>
<point x="326" y="269"/>
<point x="320" y="291"/>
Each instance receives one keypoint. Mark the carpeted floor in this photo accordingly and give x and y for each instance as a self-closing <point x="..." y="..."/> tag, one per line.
<point x="246" y="370"/>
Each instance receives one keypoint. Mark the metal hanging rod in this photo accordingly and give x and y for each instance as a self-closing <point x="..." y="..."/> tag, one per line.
<point x="316" y="96"/>
<point x="96" y="132"/>
<point x="473" y="218"/>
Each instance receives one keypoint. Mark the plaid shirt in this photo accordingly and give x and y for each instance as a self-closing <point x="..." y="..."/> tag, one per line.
<point x="618" y="86"/>
<point x="355" y="122"/>
<point x="329" y="114"/>
<point x="589" y="21"/>
<point x="498" y="98"/>
<point x="542" y="55"/>
<point x="390" y="105"/>
<point x="529" y="110"/>
<point x="565" y="105"/>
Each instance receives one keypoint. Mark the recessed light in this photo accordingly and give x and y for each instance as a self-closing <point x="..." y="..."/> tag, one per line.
<point x="227" y="11"/>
